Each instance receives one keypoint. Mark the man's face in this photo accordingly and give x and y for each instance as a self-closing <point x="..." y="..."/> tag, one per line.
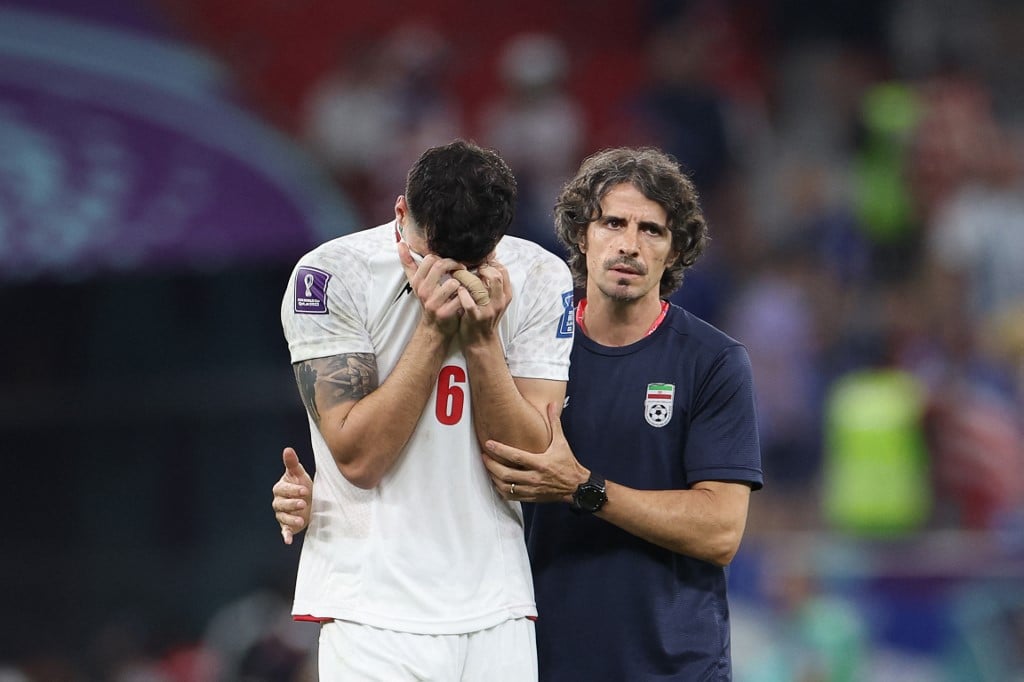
<point x="628" y="247"/>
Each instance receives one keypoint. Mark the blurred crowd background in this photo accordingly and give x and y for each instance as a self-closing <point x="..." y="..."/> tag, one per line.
<point x="163" y="163"/>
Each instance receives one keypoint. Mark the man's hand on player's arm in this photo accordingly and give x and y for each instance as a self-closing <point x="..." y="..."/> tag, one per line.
<point x="705" y="521"/>
<point x="549" y="476"/>
<point x="510" y="409"/>
<point x="293" y="497"/>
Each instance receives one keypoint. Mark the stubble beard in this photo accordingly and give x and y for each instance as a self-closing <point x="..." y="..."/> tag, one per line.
<point x="619" y="293"/>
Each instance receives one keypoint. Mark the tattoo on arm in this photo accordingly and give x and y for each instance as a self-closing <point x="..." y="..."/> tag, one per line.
<point x="326" y="382"/>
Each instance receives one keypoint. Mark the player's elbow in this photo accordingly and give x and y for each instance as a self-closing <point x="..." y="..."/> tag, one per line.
<point x="359" y="471"/>
<point x="360" y="476"/>
<point x="723" y="548"/>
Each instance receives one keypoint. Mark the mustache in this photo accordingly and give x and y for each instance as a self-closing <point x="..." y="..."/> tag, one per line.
<point x="630" y="263"/>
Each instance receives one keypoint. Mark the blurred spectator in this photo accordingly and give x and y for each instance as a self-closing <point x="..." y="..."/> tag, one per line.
<point x="977" y="234"/>
<point x="376" y="113"/>
<point x="774" y="314"/>
<point x="876" y="475"/>
<point x="925" y="36"/>
<point x="954" y="129"/>
<point x="680" y="110"/>
<point x="884" y="205"/>
<point x="974" y="421"/>
<point x="537" y="125"/>
<point x="349" y="118"/>
<point x="978" y="448"/>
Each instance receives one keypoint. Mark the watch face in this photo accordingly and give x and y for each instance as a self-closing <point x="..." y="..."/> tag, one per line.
<point x="590" y="497"/>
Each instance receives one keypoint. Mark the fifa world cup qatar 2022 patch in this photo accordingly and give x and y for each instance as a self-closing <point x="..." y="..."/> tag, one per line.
<point x="566" y="324"/>
<point x="658" y="405"/>
<point x="311" y="291"/>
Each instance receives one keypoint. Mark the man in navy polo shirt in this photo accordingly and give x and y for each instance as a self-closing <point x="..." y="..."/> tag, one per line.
<point x="660" y="447"/>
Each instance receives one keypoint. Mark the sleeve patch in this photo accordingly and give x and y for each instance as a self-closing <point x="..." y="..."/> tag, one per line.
<point x="311" y="291"/>
<point x="568" y="320"/>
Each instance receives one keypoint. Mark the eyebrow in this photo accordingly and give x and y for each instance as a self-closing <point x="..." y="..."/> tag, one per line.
<point x="643" y="223"/>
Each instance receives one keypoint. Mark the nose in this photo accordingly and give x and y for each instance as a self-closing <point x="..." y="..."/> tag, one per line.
<point x="629" y="241"/>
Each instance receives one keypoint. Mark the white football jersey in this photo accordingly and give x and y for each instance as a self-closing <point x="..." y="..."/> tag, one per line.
<point x="433" y="548"/>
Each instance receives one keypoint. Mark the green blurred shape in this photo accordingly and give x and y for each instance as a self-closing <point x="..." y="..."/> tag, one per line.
<point x="876" y="475"/>
<point x="889" y="114"/>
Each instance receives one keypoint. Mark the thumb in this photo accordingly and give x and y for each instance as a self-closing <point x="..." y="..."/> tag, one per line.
<point x="555" y="420"/>
<point x="292" y="466"/>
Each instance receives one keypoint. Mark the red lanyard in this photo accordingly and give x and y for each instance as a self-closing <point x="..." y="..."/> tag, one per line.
<point x="582" y="306"/>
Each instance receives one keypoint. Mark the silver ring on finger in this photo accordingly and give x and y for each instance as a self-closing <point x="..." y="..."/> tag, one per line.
<point x="512" y="490"/>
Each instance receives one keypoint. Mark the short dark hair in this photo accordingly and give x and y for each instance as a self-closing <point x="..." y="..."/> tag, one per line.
<point x="463" y="198"/>
<point x="658" y="177"/>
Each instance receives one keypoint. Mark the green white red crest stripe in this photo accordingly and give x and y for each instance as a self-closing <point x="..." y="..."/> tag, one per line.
<point x="660" y="391"/>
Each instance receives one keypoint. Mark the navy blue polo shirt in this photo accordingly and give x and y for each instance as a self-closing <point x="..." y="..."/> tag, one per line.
<point x="672" y="409"/>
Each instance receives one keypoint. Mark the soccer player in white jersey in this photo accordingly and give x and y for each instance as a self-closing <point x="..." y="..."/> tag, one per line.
<point x="414" y="564"/>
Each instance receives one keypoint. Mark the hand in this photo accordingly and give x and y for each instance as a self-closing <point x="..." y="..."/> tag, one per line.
<point x="551" y="476"/>
<point x="293" y="497"/>
<point x="479" y="322"/>
<point x="436" y="290"/>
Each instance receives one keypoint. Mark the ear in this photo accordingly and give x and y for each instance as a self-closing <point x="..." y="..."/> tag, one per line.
<point x="582" y="244"/>
<point x="401" y="208"/>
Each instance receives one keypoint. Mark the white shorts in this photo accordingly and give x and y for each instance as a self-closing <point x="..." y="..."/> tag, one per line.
<point x="361" y="653"/>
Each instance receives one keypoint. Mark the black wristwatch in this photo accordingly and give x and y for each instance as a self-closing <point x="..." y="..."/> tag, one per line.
<point x="590" y="496"/>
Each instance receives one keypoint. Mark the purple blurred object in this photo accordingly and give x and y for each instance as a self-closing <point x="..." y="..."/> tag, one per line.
<point x="121" y="149"/>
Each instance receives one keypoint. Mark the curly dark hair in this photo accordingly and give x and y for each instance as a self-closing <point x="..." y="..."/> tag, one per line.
<point x="463" y="198"/>
<point x="659" y="178"/>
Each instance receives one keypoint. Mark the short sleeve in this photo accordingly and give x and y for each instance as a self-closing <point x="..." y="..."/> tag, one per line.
<point x="723" y="443"/>
<point x="321" y="313"/>
<point x="540" y="345"/>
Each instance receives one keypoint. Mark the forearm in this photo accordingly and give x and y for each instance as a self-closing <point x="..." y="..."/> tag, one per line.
<point x="500" y="412"/>
<point x="705" y="523"/>
<point x="369" y="439"/>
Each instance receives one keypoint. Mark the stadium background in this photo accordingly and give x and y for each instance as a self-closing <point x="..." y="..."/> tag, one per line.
<point x="164" y="162"/>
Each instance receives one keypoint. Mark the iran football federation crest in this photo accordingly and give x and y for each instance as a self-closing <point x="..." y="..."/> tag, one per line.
<point x="658" y="406"/>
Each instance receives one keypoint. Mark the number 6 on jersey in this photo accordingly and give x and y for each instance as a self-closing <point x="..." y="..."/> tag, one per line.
<point x="451" y="397"/>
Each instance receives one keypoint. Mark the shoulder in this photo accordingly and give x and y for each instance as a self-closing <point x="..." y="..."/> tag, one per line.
<point x="355" y="246"/>
<point x="347" y="257"/>
<point x="534" y="270"/>
<point x="699" y="331"/>
<point x="704" y="343"/>
<point x="527" y="255"/>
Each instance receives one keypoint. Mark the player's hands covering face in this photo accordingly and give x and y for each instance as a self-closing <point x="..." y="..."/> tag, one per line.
<point x="437" y="291"/>
<point x="480" y="322"/>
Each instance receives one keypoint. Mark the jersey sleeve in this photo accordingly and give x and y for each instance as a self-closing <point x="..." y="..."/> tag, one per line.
<point x="540" y="345"/>
<point x="723" y="443"/>
<point x="322" y="313"/>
